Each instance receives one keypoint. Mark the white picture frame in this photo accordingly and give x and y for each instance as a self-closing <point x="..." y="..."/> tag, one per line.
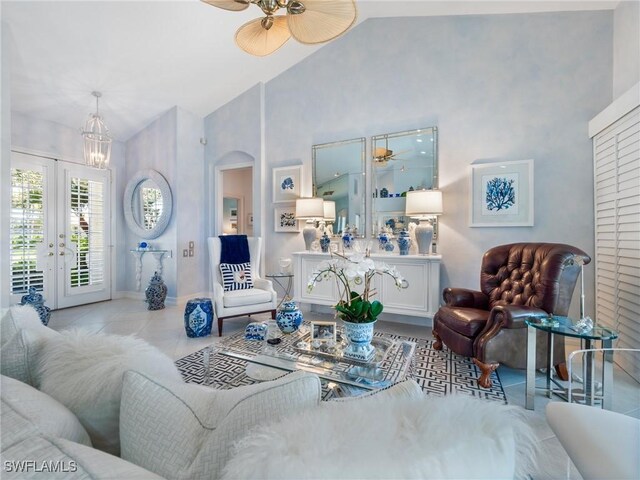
<point x="287" y="184"/>
<point x="285" y="220"/>
<point x="501" y="194"/>
<point x="324" y="331"/>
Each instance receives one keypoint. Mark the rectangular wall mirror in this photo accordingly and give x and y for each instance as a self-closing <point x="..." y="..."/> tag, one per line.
<point x="401" y="162"/>
<point x="338" y="175"/>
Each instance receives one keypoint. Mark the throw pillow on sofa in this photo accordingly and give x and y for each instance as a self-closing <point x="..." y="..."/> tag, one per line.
<point x="84" y="372"/>
<point x="22" y="333"/>
<point x="428" y="437"/>
<point x="185" y="432"/>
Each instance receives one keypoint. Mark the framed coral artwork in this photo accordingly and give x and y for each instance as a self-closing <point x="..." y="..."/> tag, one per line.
<point x="285" y="220"/>
<point x="502" y="194"/>
<point x="287" y="184"/>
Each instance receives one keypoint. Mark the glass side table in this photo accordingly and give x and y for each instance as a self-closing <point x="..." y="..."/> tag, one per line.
<point x="279" y="278"/>
<point x="557" y="325"/>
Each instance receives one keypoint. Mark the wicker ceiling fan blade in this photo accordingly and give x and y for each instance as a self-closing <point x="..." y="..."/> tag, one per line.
<point x="322" y="20"/>
<point x="263" y="36"/>
<point x="233" y="5"/>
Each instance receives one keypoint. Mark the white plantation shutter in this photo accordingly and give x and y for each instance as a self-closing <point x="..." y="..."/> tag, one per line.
<point x="87" y="232"/>
<point x="617" y="228"/>
<point x="27" y="229"/>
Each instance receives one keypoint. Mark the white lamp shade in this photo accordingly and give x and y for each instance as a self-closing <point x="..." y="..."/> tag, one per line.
<point x="309" y="208"/>
<point x="329" y="210"/>
<point x="423" y="203"/>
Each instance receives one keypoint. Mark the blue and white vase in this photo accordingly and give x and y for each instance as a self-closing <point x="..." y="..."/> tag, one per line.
<point x="156" y="293"/>
<point x="325" y="241"/>
<point x="404" y="241"/>
<point x="383" y="239"/>
<point x="256" y="331"/>
<point x="289" y="317"/>
<point x="347" y="240"/>
<point x="359" y="336"/>
<point x="36" y="301"/>
<point x="198" y="317"/>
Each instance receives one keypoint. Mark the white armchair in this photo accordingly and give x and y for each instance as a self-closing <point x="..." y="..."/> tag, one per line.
<point x="236" y="303"/>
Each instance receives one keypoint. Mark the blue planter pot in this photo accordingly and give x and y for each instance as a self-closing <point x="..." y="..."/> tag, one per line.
<point x="359" y="336"/>
<point x="198" y="317"/>
<point x="289" y="317"/>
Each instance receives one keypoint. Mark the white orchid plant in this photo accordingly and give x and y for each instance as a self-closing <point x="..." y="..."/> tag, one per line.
<point x="351" y="273"/>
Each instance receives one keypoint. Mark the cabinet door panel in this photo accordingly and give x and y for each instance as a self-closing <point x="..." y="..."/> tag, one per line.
<point x="324" y="292"/>
<point x="414" y="297"/>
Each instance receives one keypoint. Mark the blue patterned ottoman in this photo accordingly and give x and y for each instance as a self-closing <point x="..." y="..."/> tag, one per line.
<point x="198" y="317"/>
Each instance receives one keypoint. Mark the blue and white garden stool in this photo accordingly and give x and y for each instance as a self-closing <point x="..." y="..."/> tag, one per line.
<point x="198" y="317"/>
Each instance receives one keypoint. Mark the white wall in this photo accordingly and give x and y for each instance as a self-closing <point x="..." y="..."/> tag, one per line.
<point x="503" y="87"/>
<point x="626" y="47"/>
<point x="5" y="164"/>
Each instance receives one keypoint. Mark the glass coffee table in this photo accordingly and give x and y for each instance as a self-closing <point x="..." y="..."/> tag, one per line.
<point x="392" y="362"/>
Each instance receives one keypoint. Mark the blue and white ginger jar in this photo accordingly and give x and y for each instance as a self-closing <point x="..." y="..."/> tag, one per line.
<point x="404" y="241"/>
<point x="325" y="241"/>
<point x="289" y="317"/>
<point x="347" y="240"/>
<point x="156" y="293"/>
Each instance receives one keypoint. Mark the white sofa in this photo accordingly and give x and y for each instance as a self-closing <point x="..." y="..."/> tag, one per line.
<point x="187" y="423"/>
<point x="165" y="428"/>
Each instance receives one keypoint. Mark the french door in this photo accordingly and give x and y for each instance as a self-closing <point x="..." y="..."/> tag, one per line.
<point x="60" y="231"/>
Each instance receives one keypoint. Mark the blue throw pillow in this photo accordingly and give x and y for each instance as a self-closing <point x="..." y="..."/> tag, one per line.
<point x="236" y="276"/>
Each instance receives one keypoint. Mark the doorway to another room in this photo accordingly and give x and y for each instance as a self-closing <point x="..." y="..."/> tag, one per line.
<point x="236" y="216"/>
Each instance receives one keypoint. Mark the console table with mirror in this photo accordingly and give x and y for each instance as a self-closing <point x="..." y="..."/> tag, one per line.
<point x="420" y="299"/>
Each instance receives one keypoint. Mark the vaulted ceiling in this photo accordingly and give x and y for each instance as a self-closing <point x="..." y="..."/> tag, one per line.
<point x="146" y="57"/>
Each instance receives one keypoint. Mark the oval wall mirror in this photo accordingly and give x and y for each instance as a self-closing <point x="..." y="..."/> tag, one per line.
<point x="147" y="204"/>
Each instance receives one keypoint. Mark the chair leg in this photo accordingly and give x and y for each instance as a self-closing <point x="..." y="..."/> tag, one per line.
<point x="220" y="326"/>
<point x="486" y="368"/>
<point x="561" y="371"/>
<point x="273" y="314"/>
<point x="437" y="345"/>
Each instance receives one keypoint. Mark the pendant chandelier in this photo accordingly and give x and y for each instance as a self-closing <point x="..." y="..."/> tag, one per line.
<point x="308" y="21"/>
<point x="97" y="140"/>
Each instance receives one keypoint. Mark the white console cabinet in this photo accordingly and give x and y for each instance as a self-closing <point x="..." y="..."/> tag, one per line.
<point x="420" y="299"/>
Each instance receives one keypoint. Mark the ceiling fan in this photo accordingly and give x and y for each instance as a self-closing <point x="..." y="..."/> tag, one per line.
<point x="308" y="21"/>
<point x="382" y="155"/>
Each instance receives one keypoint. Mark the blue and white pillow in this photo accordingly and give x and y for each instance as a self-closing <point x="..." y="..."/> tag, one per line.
<point x="236" y="276"/>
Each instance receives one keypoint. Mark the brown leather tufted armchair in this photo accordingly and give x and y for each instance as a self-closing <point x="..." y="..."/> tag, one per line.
<point x="516" y="281"/>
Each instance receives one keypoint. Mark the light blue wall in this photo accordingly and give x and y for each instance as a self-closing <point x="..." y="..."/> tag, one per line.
<point x="626" y="47"/>
<point x="502" y="87"/>
<point x="190" y="205"/>
<point x="234" y="136"/>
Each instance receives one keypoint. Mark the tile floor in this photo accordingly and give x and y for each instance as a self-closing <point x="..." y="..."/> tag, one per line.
<point x="165" y="330"/>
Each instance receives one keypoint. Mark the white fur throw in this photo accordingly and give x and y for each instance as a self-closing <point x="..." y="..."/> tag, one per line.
<point x="84" y="372"/>
<point x="432" y="437"/>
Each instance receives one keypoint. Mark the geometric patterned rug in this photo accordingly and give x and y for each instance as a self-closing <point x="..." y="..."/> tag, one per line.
<point x="439" y="373"/>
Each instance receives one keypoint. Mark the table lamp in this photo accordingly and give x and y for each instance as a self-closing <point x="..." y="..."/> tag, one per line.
<point x="309" y="209"/>
<point x="424" y="205"/>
